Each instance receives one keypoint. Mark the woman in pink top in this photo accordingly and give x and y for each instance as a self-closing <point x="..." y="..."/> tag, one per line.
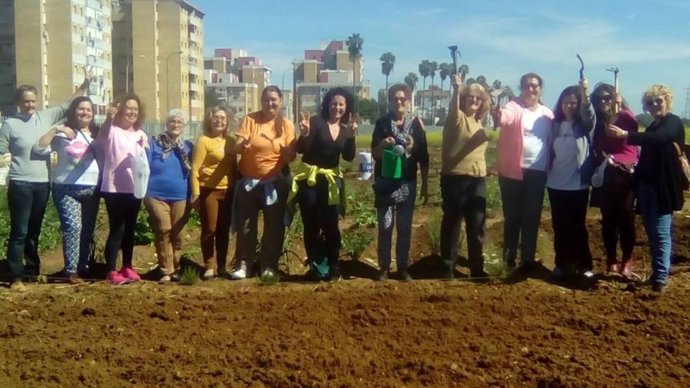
<point x="522" y="162"/>
<point x="122" y="138"/>
<point x="615" y="198"/>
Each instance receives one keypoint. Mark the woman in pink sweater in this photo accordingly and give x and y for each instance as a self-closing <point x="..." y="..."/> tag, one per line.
<point x="525" y="126"/>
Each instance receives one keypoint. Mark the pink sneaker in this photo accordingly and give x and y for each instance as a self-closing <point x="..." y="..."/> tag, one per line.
<point x="115" y="278"/>
<point x="130" y="274"/>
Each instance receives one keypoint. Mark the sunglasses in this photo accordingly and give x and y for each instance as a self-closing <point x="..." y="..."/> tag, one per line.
<point x="605" y="98"/>
<point x="474" y="98"/>
<point x="654" y="101"/>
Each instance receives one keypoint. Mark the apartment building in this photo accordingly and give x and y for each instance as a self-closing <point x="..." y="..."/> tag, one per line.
<point x="158" y="54"/>
<point x="50" y="44"/>
<point x="325" y="68"/>
<point x="236" y="79"/>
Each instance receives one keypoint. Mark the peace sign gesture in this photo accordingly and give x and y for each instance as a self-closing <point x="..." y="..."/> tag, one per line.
<point x="352" y="125"/>
<point x="304" y="123"/>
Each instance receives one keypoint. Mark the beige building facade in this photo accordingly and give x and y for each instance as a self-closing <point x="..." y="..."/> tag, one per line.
<point x="50" y="44"/>
<point x="158" y="54"/>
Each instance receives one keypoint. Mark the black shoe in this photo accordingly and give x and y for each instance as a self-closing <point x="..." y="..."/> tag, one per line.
<point x="448" y="274"/>
<point x="383" y="275"/>
<point x="659" y="287"/>
<point x="404" y="275"/>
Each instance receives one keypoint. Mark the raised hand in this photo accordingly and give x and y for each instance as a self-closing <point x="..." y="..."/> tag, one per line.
<point x="304" y="123"/>
<point x="111" y="111"/>
<point x="456" y="81"/>
<point x="352" y="125"/>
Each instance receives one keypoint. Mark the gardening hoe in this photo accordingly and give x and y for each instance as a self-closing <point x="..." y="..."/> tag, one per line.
<point x="582" y="67"/>
<point x="616" y="86"/>
<point x="454" y="55"/>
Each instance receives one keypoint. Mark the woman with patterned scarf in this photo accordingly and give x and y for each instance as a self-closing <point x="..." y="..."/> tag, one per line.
<point x="167" y="197"/>
<point x="400" y="138"/>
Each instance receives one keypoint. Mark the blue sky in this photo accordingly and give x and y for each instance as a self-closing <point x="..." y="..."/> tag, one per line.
<point x="649" y="41"/>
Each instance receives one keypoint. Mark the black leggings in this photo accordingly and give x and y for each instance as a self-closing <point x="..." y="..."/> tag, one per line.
<point x="123" y="209"/>
<point x="321" y="233"/>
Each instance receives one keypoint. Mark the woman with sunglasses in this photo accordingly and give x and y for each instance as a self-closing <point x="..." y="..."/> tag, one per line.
<point x="522" y="162"/>
<point x="657" y="176"/>
<point x="615" y="198"/>
<point x="463" y="176"/>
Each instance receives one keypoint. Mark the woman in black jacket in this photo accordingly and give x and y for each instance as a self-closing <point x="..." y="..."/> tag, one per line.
<point x="658" y="176"/>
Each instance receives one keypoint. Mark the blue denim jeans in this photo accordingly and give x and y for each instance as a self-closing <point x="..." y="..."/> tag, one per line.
<point x="658" y="227"/>
<point x="27" y="203"/>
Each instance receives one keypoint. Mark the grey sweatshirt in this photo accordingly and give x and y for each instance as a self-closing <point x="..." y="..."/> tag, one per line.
<point x="18" y="136"/>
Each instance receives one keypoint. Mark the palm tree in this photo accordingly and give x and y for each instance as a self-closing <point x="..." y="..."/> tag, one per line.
<point x="445" y="69"/>
<point x="424" y="70"/>
<point x="433" y="66"/>
<point x="482" y="81"/>
<point x="463" y="70"/>
<point x="354" y="47"/>
<point x="411" y="82"/>
<point x="387" y="64"/>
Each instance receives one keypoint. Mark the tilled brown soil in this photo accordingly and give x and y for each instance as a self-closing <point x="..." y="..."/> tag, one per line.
<point x="504" y="333"/>
<point x="352" y="333"/>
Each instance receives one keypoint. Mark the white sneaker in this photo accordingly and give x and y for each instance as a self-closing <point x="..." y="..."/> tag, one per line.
<point x="588" y="274"/>
<point x="239" y="274"/>
<point x="209" y="273"/>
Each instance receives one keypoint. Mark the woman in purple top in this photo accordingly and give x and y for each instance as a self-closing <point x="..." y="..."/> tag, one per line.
<point x="122" y="138"/>
<point x="167" y="197"/>
<point x="615" y="198"/>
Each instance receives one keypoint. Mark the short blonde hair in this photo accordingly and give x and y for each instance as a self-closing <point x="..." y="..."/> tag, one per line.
<point x="658" y="90"/>
<point x="484" y="108"/>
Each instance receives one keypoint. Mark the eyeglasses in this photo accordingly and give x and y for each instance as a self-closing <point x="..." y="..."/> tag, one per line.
<point x="654" y="101"/>
<point x="532" y="86"/>
<point x="474" y="98"/>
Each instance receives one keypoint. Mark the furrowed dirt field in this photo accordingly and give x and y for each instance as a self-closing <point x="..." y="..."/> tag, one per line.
<point x="505" y="332"/>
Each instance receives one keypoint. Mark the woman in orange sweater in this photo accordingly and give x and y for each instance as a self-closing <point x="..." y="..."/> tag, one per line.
<point x="266" y="145"/>
<point x="213" y="160"/>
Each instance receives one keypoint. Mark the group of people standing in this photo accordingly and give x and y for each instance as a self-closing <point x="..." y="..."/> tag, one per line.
<point x="230" y="179"/>
<point x="562" y="151"/>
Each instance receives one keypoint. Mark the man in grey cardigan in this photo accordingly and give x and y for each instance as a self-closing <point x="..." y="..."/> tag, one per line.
<point x="29" y="182"/>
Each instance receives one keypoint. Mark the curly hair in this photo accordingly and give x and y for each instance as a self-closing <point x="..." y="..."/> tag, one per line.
<point x="658" y="90"/>
<point x="349" y="103"/>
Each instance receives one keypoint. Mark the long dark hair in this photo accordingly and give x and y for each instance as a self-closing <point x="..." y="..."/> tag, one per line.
<point x="70" y="115"/>
<point x="349" y="103"/>
<point x="558" y="114"/>
<point x="604" y="88"/>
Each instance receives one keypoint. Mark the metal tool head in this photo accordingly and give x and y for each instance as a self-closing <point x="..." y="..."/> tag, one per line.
<point x="454" y="54"/>
<point x="582" y="67"/>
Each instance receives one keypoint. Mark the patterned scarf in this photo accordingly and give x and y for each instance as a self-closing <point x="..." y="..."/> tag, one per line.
<point x="401" y="135"/>
<point x="176" y="145"/>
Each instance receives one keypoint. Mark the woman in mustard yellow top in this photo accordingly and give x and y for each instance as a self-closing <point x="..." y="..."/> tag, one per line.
<point x="213" y="160"/>
<point x="266" y="145"/>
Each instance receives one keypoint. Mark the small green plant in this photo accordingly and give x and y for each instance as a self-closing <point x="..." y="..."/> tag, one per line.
<point x="189" y="276"/>
<point x="143" y="234"/>
<point x="355" y="241"/>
